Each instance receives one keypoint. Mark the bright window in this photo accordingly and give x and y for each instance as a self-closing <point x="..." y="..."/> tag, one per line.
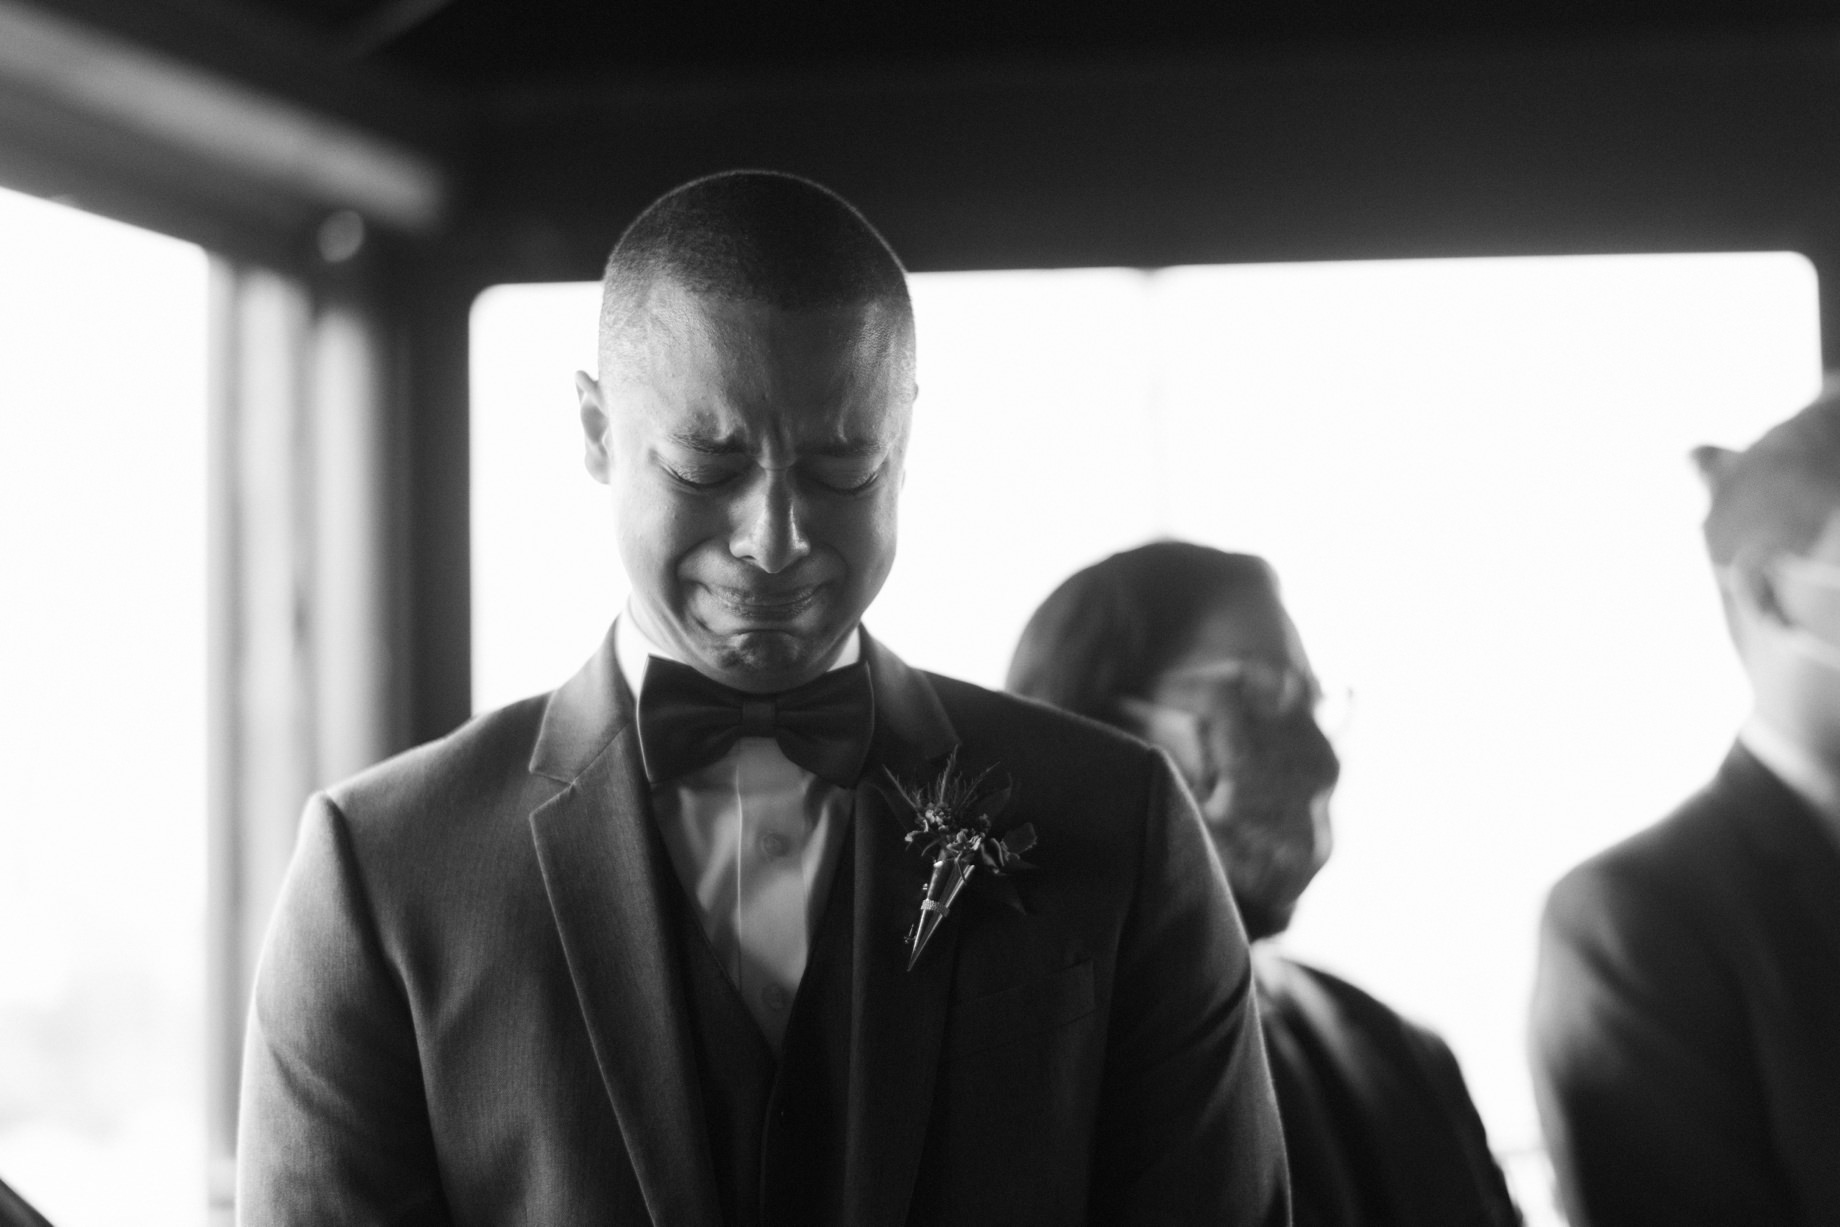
<point x="102" y="675"/>
<point x="1470" y="474"/>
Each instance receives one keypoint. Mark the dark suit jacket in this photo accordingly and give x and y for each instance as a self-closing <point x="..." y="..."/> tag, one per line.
<point x="1378" y="1124"/>
<point x="1686" y="1017"/>
<point x="15" y="1212"/>
<point x="469" y="1008"/>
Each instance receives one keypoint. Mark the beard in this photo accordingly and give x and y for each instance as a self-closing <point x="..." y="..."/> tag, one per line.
<point x="1271" y="853"/>
<point x="780" y="659"/>
<point x="1261" y="918"/>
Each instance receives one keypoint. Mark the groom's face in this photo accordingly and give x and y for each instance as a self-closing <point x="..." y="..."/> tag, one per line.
<point x="755" y="457"/>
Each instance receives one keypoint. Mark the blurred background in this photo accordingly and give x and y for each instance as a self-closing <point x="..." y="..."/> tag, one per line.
<point x="1472" y="478"/>
<point x="1425" y="308"/>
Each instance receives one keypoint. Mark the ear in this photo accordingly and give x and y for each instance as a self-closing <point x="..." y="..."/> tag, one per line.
<point x="1713" y="463"/>
<point x="595" y="426"/>
<point x="1750" y="584"/>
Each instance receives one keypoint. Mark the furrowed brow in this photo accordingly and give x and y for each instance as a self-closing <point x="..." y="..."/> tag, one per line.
<point x="710" y="445"/>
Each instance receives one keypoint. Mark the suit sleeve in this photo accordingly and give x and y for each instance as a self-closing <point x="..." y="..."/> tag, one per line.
<point x="1189" y="1129"/>
<point x="1486" y="1185"/>
<point x="333" y="1126"/>
<point x="1639" y="1063"/>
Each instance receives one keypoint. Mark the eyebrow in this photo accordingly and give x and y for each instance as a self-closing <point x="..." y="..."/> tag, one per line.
<point x="709" y="445"/>
<point x="842" y="449"/>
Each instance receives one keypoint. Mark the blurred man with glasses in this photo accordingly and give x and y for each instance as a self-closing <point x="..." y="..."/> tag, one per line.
<point x="1686" y="1016"/>
<point x="1192" y="650"/>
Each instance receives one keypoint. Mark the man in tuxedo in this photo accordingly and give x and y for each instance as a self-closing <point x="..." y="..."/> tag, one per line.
<point x="1191" y="649"/>
<point x="638" y="951"/>
<point x="1687" y="1005"/>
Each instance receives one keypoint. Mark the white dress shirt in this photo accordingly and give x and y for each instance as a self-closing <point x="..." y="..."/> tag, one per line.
<point x="754" y="839"/>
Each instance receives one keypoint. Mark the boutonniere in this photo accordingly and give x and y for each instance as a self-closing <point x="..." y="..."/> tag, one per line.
<point x="953" y="816"/>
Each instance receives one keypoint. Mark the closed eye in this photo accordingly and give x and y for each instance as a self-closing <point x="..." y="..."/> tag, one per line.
<point x="701" y="479"/>
<point x="844" y="479"/>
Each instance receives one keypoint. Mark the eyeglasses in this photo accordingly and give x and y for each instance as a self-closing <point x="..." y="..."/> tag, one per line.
<point x="1261" y="689"/>
<point x="1277" y="714"/>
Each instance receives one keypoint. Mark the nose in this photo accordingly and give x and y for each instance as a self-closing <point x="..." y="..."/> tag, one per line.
<point x="769" y="530"/>
<point x="1329" y="763"/>
<point x="1322" y="826"/>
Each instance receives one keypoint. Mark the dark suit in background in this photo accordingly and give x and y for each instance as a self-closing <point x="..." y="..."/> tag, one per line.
<point x="483" y="1000"/>
<point x="1686" y="1022"/>
<point x="16" y="1212"/>
<point x="1378" y="1124"/>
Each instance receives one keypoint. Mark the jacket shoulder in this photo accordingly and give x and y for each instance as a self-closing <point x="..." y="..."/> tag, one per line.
<point x="1683" y="910"/>
<point x="434" y="832"/>
<point x="1037" y="731"/>
<point x="481" y="759"/>
<point x="1095" y="795"/>
<point x="1686" y="861"/>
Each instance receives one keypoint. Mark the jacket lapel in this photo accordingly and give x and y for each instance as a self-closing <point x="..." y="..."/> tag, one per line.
<point x="897" y="1016"/>
<point x="606" y="873"/>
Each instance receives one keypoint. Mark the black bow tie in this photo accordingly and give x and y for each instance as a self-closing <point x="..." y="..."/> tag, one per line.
<point x="687" y="721"/>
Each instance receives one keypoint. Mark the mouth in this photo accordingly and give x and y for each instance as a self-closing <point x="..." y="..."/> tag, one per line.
<point x="771" y="606"/>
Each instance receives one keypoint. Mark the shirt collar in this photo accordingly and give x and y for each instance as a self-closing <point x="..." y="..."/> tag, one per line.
<point x="632" y="647"/>
<point x="1805" y="773"/>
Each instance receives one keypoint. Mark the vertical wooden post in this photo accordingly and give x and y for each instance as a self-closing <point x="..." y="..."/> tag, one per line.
<point x="433" y="456"/>
<point x="305" y="647"/>
<point x="260" y="751"/>
<point x="1826" y="260"/>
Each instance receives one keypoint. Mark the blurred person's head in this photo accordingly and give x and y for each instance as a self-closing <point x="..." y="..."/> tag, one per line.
<point x="1772" y="530"/>
<point x="1191" y="649"/>
<point x="751" y="418"/>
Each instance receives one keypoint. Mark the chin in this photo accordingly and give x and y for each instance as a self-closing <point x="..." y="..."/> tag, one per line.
<point x="768" y="659"/>
<point x="1262" y="919"/>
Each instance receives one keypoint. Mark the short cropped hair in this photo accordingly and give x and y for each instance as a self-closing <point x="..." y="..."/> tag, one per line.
<point x="1776" y="495"/>
<point x="1111" y="629"/>
<point x="752" y="235"/>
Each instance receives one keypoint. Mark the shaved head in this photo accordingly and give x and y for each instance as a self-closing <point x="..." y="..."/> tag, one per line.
<point x="747" y="236"/>
<point x="751" y="418"/>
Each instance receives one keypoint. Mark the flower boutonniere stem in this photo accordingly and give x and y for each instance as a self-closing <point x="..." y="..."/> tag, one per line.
<point x="952" y="818"/>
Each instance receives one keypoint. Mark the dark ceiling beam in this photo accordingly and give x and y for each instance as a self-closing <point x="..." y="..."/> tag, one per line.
<point x="1383" y="153"/>
<point x="257" y="44"/>
<point x="242" y="160"/>
<point x="383" y="25"/>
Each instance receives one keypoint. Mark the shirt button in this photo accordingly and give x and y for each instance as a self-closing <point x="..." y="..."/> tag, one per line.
<point x="775" y="998"/>
<point x="774" y="845"/>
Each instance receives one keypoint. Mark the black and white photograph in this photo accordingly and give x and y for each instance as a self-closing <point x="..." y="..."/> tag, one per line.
<point x="784" y="614"/>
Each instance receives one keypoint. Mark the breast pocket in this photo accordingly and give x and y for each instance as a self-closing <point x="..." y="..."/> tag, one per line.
<point x="1020" y="1053"/>
<point x="1028" y="1009"/>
